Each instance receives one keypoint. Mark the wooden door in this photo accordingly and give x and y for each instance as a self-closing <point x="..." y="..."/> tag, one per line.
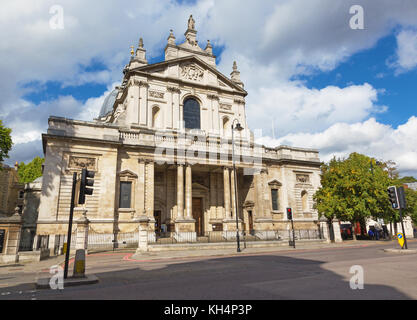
<point x="198" y="216"/>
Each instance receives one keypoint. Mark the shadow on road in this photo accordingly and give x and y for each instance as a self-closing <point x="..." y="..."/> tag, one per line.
<point x="247" y="277"/>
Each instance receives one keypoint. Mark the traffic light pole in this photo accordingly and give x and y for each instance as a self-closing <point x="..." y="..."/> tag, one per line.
<point x="293" y="233"/>
<point x="74" y="183"/>
<point x="402" y="227"/>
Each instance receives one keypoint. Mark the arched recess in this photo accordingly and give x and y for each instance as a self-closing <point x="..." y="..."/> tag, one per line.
<point x="304" y="200"/>
<point x="191" y="113"/>
<point x="156" y="117"/>
<point x="226" y="131"/>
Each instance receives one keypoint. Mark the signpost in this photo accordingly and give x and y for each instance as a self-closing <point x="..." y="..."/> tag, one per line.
<point x="397" y="197"/>
<point x="289" y="217"/>
<point x="400" y="238"/>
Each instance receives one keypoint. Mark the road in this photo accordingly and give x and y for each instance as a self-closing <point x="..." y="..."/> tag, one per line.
<point x="292" y="274"/>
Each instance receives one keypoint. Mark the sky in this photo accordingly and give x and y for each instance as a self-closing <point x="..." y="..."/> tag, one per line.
<point x="312" y="80"/>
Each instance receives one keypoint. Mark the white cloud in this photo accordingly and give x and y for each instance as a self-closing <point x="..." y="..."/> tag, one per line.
<point x="295" y="108"/>
<point x="369" y="137"/>
<point x="406" y="55"/>
<point x="271" y="42"/>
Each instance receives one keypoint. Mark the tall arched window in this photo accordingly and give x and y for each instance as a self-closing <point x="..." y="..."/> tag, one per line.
<point x="192" y="114"/>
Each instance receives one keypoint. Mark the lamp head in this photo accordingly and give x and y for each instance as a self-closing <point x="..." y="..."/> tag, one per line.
<point x="238" y="127"/>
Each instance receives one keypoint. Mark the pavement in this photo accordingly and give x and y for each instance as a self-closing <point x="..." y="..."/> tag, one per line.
<point x="311" y="271"/>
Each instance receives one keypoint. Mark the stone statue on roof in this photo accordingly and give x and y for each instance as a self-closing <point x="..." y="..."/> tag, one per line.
<point x="191" y="23"/>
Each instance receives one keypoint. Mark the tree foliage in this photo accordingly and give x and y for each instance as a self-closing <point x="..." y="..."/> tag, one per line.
<point x="31" y="171"/>
<point x="354" y="188"/>
<point x="411" y="199"/>
<point x="5" y="142"/>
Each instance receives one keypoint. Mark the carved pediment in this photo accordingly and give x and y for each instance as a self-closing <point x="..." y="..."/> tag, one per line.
<point x="191" y="71"/>
<point x="127" y="173"/>
<point x="274" y="183"/>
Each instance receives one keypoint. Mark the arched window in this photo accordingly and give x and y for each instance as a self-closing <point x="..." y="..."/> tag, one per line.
<point x="156" y="117"/>
<point x="192" y="114"/>
<point x="304" y="200"/>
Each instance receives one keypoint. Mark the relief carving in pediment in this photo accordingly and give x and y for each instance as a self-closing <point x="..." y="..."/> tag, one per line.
<point x="191" y="72"/>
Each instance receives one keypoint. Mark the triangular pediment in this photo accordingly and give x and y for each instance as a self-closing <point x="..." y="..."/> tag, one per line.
<point x="275" y="183"/>
<point x="191" y="68"/>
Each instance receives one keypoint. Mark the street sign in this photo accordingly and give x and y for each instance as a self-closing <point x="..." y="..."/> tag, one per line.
<point x="400" y="238"/>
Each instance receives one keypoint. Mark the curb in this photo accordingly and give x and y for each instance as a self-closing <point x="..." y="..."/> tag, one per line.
<point x="43" y="283"/>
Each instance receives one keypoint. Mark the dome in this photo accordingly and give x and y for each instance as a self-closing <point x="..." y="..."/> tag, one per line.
<point x="108" y="103"/>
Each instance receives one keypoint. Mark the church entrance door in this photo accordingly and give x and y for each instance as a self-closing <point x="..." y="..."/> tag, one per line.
<point x="198" y="216"/>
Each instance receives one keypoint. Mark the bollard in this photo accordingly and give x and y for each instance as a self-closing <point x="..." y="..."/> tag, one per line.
<point x="79" y="264"/>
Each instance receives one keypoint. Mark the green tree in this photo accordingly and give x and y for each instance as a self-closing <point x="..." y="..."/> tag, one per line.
<point x="407" y="179"/>
<point x="5" y="142"/>
<point x="353" y="189"/>
<point x="411" y="199"/>
<point x="31" y="171"/>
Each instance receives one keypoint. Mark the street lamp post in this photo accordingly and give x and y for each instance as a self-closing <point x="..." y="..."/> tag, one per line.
<point x="238" y="127"/>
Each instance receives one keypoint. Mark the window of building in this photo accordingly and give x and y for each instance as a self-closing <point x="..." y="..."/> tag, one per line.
<point x="21" y="194"/>
<point x="274" y="198"/>
<point x="191" y="114"/>
<point x="125" y="194"/>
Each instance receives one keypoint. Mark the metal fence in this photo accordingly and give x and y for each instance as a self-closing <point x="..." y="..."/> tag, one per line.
<point x="112" y="240"/>
<point x="230" y="236"/>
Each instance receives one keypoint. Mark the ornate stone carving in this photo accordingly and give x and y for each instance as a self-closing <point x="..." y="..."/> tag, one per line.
<point x="303" y="178"/>
<point x="192" y="72"/>
<point x="225" y="106"/>
<point x="143" y="84"/>
<point x="156" y="94"/>
<point x="213" y="96"/>
<point x="239" y="100"/>
<point x="82" y="162"/>
<point x="173" y="89"/>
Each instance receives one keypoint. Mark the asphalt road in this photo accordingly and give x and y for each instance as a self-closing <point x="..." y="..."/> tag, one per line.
<point x="303" y="274"/>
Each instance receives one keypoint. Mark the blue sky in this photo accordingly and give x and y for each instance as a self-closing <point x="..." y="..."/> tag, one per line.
<point x="372" y="66"/>
<point x="309" y="76"/>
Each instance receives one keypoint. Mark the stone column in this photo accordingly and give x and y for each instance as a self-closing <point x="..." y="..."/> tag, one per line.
<point x="324" y="229"/>
<point x="149" y="190"/>
<point x="226" y="183"/>
<point x="213" y="200"/>
<point x="168" y="113"/>
<point x="143" y="103"/>
<point x="336" y="230"/>
<point x="140" y="191"/>
<point x="259" y="196"/>
<point x="233" y="193"/>
<point x="180" y="192"/>
<point x="176" y="117"/>
<point x="81" y="237"/>
<point x="188" y="192"/>
<point x="143" y="234"/>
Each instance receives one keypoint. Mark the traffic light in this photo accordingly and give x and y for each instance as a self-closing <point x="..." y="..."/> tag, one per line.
<point x="289" y="213"/>
<point x="393" y="197"/>
<point x="85" y="183"/>
<point x="401" y="197"/>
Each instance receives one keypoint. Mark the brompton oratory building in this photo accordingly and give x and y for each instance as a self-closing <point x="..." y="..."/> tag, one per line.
<point x="161" y="149"/>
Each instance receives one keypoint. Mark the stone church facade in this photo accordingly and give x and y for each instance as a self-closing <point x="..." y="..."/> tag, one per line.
<point x="161" y="150"/>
